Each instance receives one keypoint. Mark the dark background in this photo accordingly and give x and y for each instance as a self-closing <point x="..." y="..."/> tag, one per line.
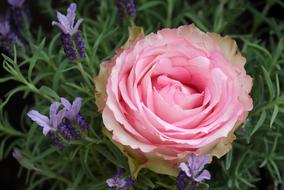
<point x="9" y="167"/>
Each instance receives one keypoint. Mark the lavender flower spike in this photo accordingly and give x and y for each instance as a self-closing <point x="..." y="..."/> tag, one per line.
<point x="131" y="7"/>
<point x="16" y="3"/>
<point x="51" y="123"/>
<point x="4" y="26"/>
<point x="71" y="38"/>
<point x="126" y="7"/>
<point x="66" y="23"/>
<point x="7" y="37"/>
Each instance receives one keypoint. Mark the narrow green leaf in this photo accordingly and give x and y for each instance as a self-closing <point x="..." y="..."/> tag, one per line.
<point x="269" y="83"/>
<point x="229" y="159"/>
<point x="259" y="122"/>
<point x="274" y="115"/>
<point x="44" y="154"/>
<point x="245" y="181"/>
<point x="49" y="92"/>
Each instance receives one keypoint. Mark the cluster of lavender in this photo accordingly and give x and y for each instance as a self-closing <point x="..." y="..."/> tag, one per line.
<point x="71" y="38"/>
<point x="62" y="121"/>
<point x="11" y="25"/>
<point x="126" y="8"/>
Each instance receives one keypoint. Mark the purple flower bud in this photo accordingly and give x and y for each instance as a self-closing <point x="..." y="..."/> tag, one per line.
<point x="7" y="37"/>
<point x="120" y="7"/>
<point x="183" y="181"/>
<point x="68" y="130"/>
<point x="126" y="7"/>
<point x="55" y="140"/>
<point x="18" y="18"/>
<point x="17" y="154"/>
<point x="68" y="46"/>
<point x="73" y="46"/>
<point x="129" y="182"/>
<point x="131" y="8"/>
<point x="64" y="131"/>
<point x="17" y="14"/>
<point x="6" y="46"/>
<point x="80" y="45"/>
<point x="82" y="122"/>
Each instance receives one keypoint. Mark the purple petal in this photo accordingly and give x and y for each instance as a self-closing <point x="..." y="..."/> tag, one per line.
<point x="41" y="120"/>
<point x="60" y="26"/>
<point x="53" y="113"/>
<point x="77" y="25"/>
<point x="129" y="182"/>
<point x="205" y="175"/>
<point x="46" y="130"/>
<point x="110" y="182"/>
<point x="121" y="183"/>
<point x="58" y="118"/>
<point x="76" y="106"/>
<point x="71" y="13"/>
<point x="53" y="108"/>
<point x="60" y="115"/>
<point x="37" y="117"/>
<point x="116" y="182"/>
<point x="197" y="163"/>
<point x="63" y="20"/>
<point x="185" y="169"/>
<point x="66" y="103"/>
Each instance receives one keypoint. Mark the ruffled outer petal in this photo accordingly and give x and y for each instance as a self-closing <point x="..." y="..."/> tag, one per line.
<point x="100" y="80"/>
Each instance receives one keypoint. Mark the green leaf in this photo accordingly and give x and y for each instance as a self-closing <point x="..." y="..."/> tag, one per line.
<point x="108" y="155"/>
<point x="245" y="181"/>
<point x="259" y="122"/>
<point x="49" y="92"/>
<point x="229" y="159"/>
<point x="269" y="83"/>
<point x="44" y="154"/>
<point x="35" y="58"/>
<point x="274" y="115"/>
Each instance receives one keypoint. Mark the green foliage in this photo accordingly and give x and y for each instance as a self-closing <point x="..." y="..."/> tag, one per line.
<point x="42" y="70"/>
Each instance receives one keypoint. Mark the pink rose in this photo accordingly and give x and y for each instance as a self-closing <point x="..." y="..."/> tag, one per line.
<point x="176" y="92"/>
